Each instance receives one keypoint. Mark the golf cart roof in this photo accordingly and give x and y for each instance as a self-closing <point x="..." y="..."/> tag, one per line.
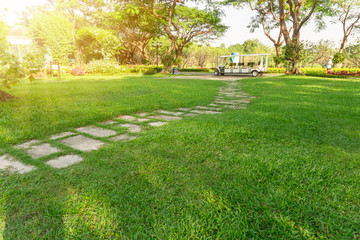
<point x="246" y="55"/>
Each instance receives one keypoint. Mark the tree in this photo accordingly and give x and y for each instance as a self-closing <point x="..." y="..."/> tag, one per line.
<point x="318" y="53"/>
<point x="96" y="43"/>
<point x="291" y="16"/>
<point x="348" y="14"/>
<point x="353" y="53"/>
<point x="177" y="26"/>
<point x="268" y="18"/>
<point x="135" y="27"/>
<point x="192" y="24"/>
<point x="9" y="65"/>
<point x="55" y="32"/>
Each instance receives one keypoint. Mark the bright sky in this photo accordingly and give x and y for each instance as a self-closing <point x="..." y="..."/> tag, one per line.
<point x="236" y="19"/>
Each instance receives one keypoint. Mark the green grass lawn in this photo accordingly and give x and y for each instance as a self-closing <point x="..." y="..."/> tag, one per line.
<point x="287" y="167"/>
<point x="45" y="107"/>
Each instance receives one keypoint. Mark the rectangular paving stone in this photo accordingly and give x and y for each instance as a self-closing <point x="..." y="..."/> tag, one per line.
<point x="142" y="119"/>
<point x="225" y="102"/>
<point x="42" y="150"/>
<point x="170" y="113"/>
<point x="204" y="112"/>
<point x="184" y="109"/>
<point x="27" y="144"/>
<point x="166" y="118"/>
<point x="123" y="137"/>
<point x="108" y="122"/>
<point x="8" y="162"/>
<point x="64" y="161"/>
<point x="82" y="143"/>
<point x="127" y="118"/>
<point x="207" y="108"/>
<point x="97" y="131"/>
<point x="157" y="124"/>
<point x="61" y="135"/>
<point x="133" y="128"/>
<point x="191" y="114"/>
<point x="142" y="114"/>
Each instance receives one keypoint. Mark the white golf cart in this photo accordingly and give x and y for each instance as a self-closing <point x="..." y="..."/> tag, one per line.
<point x="242" y="64"/>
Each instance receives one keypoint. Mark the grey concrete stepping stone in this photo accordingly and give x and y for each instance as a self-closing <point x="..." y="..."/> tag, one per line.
<point x="108" y="122"/>
<point x="213" y="105"/>
<point x="191" y="114"/>
<point x="166" y="118"/>
<point x="204" y="112"/>
<point x="8" y="162"/>
<point x="64" y="161"/>
<point x="123" y="137"/>
<point x="127" y="118"/>
<point x="157" y="124"/>
<point x="207" y="108"/>
<point x="133" y="128"/>
<point x="142" y="114"/>
<point x="170" y="113"/>
<point x="184" y="109"/>
<point x="82" y="143"/>
<point x="61" y="135"/>
<point x="235" y="107"/>
<point x="142" y="119"/>
<point x="97" y="131"/>
<point x="27" y="144"/>
<point x="225" y="102"/>
<point x="42" y="150"/>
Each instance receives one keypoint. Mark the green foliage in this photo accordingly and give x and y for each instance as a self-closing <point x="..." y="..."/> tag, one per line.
<point x="293" y="54"/>
<point x="322" y="72"/>
<point x="112" y="67"/>
<point x="197" y="70"/>
<point x="97" y="43"/>
<point x="178" y="62"/>
<point x="33" y="62"/>
<point x="339" y="58"/>
<point x="55" y="32"/>
<point x="10" y="69"/>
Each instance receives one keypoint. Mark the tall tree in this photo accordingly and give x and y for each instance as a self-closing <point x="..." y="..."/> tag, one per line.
<point x="177" y="26"/>
<point x="135" y="27"/>
<point x="192" y="24"/>
<point x="291" y="16"/>
<point x="348" y="14"/>
<point x="55" y="32"/>
<point x="9" y="65"/>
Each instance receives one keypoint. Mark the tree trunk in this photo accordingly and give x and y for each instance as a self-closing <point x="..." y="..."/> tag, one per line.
<point x="343" y="44"/>
<point x="277" y="49"/>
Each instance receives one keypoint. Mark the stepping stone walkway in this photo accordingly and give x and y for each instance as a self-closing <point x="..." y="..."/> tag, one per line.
<point x="64" y="161"/>
<point x="92" y="138"/>
<point x="96" y="131"/>
<point x="8" y="163"/>
<point x="82" y="143"/>
<point x="133" y="128"/>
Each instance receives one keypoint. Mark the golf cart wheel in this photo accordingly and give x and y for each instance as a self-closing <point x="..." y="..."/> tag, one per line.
<point x="254" y="73"/>
<point x="216" y="73"/>
<point x="222" y="74"/>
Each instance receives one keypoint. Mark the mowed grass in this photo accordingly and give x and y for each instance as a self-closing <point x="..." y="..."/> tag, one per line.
<point x="287" y="167"/>
<point x="49" y="106"/>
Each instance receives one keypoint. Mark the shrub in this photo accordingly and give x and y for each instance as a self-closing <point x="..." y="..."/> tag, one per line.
<point x="112" y="67"/>
<point x="196" y="70"/>
<point x="78" y="71"/>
